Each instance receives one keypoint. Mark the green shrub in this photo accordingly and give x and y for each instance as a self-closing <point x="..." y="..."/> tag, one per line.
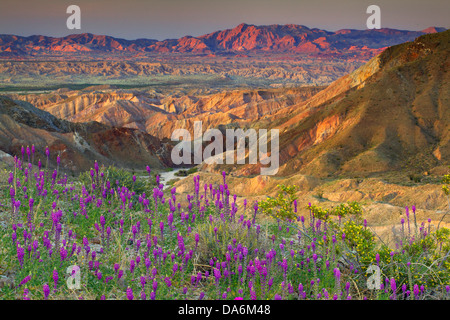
<point x="185" y="173"/>
<point x="446" y="184"/>
<point x="359" y="239"/>
<point x="282" y="206"/>
<point x="343" y="210"/>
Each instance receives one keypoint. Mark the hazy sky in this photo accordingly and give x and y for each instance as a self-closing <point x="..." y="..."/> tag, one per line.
<point x="162" y="19"/>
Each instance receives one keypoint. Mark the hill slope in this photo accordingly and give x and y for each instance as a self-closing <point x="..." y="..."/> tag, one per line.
<point x="391" y="114"/>
<point x="398" y="117"/>
<point x="79" y="145"/>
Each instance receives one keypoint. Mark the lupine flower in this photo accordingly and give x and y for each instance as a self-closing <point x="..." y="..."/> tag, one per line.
<point x="416" y="291"/>
<point x="347" y="287"/>
<point x="63" y="253"/>
<point x="393" y="287"/>
<point x="46" y="290"/>
<point x="25" y="280"/>
<point x="20" y="255"/>
<point x="25" y="294"/>
<point x="197" y="239"/>
<point x="130" y="294"/>
<point x="337" y="274"/>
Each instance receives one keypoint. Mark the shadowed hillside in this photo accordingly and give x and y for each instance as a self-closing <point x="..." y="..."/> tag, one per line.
<point x="78" y="145"/>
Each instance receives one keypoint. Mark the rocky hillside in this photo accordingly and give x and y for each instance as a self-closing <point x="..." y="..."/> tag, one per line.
<point x="391" y="114"/>
<point x="146" y="110"/>
<point x="78" y="145"/>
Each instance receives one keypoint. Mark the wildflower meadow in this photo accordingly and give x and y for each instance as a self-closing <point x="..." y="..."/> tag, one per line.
<point x="110" y="234"/>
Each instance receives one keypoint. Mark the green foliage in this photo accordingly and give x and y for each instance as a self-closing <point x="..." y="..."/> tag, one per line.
<point x="342" y="210"/>
<point x="446" y="184"/>
<point x="319" y="212"/>
<point x="359" y="238"/>
<point x="280" y="207"/>
<point x="185" y="173"/>
<point x="442" y="234"/>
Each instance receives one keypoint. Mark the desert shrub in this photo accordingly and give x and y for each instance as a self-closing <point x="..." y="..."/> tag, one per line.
<point x="282" y="206"/>
<point x="172" y="182"/>
<point x="360" y="239"/>
<point x="352" y="209"/>
<point x="319" y="194"/>
<point x="185" y="173"/>
<point x="319" y="212"/>
<point x="446" y="184"/>
<point x="415" y="178"/>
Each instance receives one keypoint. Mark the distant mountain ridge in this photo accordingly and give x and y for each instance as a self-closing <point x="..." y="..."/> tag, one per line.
<point x="243" y="38"/>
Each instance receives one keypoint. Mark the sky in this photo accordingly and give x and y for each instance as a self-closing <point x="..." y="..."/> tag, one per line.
<point x="168" y="19"/>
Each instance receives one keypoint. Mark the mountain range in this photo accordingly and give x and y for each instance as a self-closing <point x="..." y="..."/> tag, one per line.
<point x="242" y="39"/>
